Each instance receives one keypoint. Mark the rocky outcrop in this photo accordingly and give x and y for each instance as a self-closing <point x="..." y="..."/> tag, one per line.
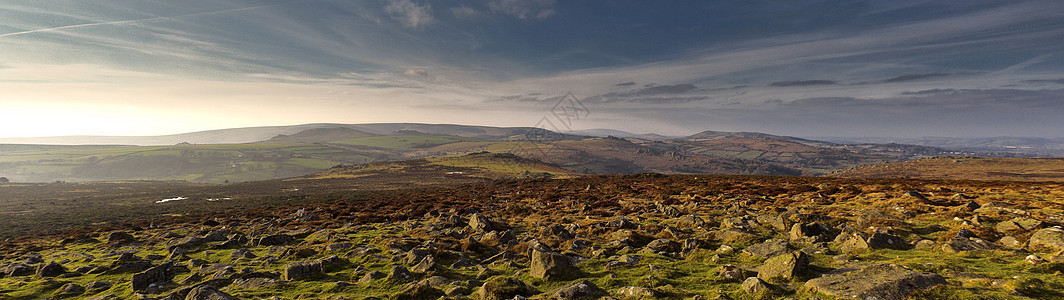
<point x="551" y="265"/>
<point x="1047" y="240"/>
<point x="875" y="281"/>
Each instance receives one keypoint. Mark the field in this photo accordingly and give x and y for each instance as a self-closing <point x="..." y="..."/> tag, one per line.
<point x="969" y="168"/>
<point x="457" y="228"/>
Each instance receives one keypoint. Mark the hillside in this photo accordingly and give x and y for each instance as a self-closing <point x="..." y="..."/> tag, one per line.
<point x="965" y="168"/>
<point x="319" y="146"/>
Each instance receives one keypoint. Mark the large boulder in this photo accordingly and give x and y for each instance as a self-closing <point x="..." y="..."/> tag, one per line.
<point x="875" y="281"/>
<point x="579" y="290"/>
<point x="51" y="269"/>
<point x="160" y="273"/>
<point x="784" y="266"/>
<point x="961" y="244"/>
<point x="1019" y="224"/>
<point x="481" y="223"/>
<point x="303" y="270"/>
<point x="551" y="265"/>
<point x="1048" y="240"/>
<point x="769" y="248"/>
<point x="501" y="288"/>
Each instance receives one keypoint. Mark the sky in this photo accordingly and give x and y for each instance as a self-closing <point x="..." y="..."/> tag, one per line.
<point x="801" y="68"/>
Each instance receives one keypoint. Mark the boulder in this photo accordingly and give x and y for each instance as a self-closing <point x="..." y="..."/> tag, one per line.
<point x="51" y="269"/>
<point x="303" y="270"/>
<point x="551" y="265"/>
<point x="874" y="281"/>
<point x="399" y="273"/>
<point x="417" y="291"/>
<point x="961" y="244"/>
<point x="253" y="283"/>
<point x="635" y="292"/>
<point x="1048" y="240"/>
<point x="160" y="273"/>
<point x="731" y="273"/>
<point x="120" y="237"/>
<point x="881" y="240"/>
<point x="70" y="289"/>
<point x="481" y="223"/>
<point x="1019" y="224"/>
<point x="206" y="292"/>
<point x="371" y="276"/>
<point x="812" y="232"/>
<point x="578" y="290"/>
<point x="784" y="266"/>
<point x="96" y="286"/>
<point x="769" y="248"/>
<point x="754" y="285"/>
<point x="426" y="265"/>
<point x="502" y="288"/>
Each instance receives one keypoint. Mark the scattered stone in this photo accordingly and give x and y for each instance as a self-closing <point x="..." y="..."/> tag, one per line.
<point x="303" y="270"/>
<point x="206" y="292"/>
<point x="579" y="290"/>
<point x="160" y="273"/>
<point x="19" y="270"/>
<point x="51" y="269"/>
<point x="96" y="286"/>
<point x="812" y="232"/>
<point x="636" y="292"/>
<point x="501" y="288"/>
<point x="1019" y="224"/>
<point x="769" y="248"/>
<point x="551" y="265"/>
<point x="426" y="265"/>
<point x="754" y="285"/>
<point x="399" y="273"/>
<point x="1010" y="242"/>
<point x="1034" y="260"/>
<point x="961" y="244"/>
<point x="70" y="289"/>
<point x="925" y="244"/>
<point x="1047" y="239"/>
<point x="372" y="276"/>
<point x="481" y="223"/>
<point x="731" y="273"/>
<point x="784" y="266"/>
<point x="881" y="240"/>
<point x="417" y="291"/>
<point x="253" y="283"/>
<point x="120" y="237"/>
<point x="874" y="281"/>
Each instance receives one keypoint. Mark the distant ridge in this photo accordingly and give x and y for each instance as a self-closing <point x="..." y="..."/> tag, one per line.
<point x="263" y="133"/>
<point x="321" y="135"/>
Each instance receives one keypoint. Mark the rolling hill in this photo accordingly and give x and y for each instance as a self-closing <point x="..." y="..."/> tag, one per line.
<point x="320" y="146"/>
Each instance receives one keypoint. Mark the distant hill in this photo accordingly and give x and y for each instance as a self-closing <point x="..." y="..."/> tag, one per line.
<point x="321" y="135"/>
<point x="965" y="168"/>
<point x="257" y="134"/>
<point x="310" y="148"/>
<point x="997" y="146"/>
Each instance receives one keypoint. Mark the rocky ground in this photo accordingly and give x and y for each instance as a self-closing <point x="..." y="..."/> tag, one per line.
<point x="599" y="237"/>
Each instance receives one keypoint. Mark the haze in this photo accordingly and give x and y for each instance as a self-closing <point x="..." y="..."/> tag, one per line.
<point x="802" y="68"/>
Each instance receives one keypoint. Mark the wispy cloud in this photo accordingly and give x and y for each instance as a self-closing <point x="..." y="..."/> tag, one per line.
<point x="524" y="9"/>
<point x="411" y="14"/>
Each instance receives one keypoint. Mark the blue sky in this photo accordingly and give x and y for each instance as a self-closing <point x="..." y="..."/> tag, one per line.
<point x="803" y="68"/>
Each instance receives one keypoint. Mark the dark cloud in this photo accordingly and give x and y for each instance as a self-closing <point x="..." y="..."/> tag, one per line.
<point x="928" y="92"/>
<point x="666" y="90"/>
<point x="630" y="83"/>
<point x="911" y="77"/>
<point x="802" y="83"/>
<point x="1060" y="81"/>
